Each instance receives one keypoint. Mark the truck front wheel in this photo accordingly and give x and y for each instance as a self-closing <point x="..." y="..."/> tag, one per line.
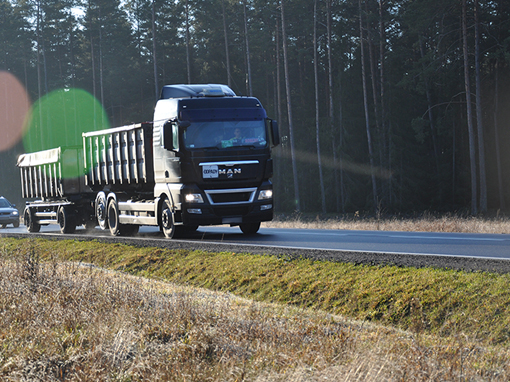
<point x="249" y="228"/>
<point x="167" y="220"/>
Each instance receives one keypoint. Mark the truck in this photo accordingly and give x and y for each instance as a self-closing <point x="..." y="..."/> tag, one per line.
<point x="205" y="159"/>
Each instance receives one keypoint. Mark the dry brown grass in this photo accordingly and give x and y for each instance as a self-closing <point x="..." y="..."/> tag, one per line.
<point x="424" y="223"/>
<point x="74" y="322"/>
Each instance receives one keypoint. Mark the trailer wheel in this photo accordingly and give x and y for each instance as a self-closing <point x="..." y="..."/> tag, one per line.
<point x="100" y="207"/>
<point x="249" y="228"/>
<point x="167" y="220"/>
<point x="65" y="220"/>
<point x="113" y="217"/>
<point x="30" y="223"/>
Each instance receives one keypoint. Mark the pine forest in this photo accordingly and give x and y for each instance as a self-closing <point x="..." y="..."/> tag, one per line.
<point x="394" y="106"/>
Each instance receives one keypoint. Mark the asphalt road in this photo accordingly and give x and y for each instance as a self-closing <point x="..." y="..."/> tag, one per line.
<point x="473" y="252"/>
<point x="423" y="243"/>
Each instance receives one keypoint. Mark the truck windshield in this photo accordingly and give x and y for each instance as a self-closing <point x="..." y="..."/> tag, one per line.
<point x="223" y="134"/>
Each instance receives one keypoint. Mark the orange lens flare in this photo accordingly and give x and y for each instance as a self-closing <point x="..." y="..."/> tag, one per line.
<point x="14" y="107"/>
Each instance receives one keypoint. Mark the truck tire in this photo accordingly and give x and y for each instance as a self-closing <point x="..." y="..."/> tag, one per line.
<point x="116" y="228"/>
<point x="101" y="209"/>
<point x="167" y="220"/>
<point x="249" y="228"/>
<point x="113" y="218"/>
<point x="65" y="220"/>
<point x="30" y="223"/>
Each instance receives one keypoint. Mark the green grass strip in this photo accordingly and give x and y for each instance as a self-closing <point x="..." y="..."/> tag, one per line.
<point x="438" y="301"/>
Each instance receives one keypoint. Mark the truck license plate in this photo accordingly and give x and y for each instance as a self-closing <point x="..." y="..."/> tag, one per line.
<point x="210" y="171"/>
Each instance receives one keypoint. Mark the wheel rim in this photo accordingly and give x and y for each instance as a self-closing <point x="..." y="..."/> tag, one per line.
<point x="101" y="210"/>
<point x="167" y="220"/>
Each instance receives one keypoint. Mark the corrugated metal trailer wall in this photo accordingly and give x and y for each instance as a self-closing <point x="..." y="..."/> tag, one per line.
<point x="119" y="156"/>
<point x="41" y="174"/>
<point x="52" y="174"/>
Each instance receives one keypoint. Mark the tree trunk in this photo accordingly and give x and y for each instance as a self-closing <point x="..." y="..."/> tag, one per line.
<point x="248" y="61"/>
<point x="373" y="75"/>
<point x="454" y="159"/>
<point x="93" y="65"/>
<point x="278" y="157"/>
<point x="317" y="130"/>
<point x="188" y="58"/>
<point x="385" y="132"/>
<point x="365" y="103"/>
<point x="227" y="54"/>
<point x="278" y="75"/>
<point x="429" y="109"/>
<point x="471" y="133"/>
<point x="154" y="61"/>
<point x="502" y="204"/>
<point x="289" y="110"/>
<point x="101" y="87"/>
<point x="38" y="37"/>
<point x="479" y="125"/>
<point x="339" y="188"/>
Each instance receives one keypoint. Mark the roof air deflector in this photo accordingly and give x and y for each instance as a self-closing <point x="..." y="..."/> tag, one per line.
<point x="196" y="90"/>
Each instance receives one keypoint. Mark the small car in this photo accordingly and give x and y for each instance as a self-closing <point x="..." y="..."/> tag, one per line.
<point x="8" y="213"/>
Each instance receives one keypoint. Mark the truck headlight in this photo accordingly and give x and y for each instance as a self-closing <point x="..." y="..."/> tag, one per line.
<point x="265" y="194"/>
<point x="194" y="198"/>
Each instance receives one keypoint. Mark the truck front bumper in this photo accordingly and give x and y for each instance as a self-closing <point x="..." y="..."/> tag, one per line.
<point x="217" y="209"/>
<point x="208" y="215"/>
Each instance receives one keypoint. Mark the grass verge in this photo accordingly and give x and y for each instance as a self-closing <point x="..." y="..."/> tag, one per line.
<point x="455" y="324"/>
<point x="426" y="222"/>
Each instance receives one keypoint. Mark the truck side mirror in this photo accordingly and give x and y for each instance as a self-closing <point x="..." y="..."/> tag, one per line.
<point x="171" y="136"/>
<point x="274" y="132"/>
<point x="184" y="124"/>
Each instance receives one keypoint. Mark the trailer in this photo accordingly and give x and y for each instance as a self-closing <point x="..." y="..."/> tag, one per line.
<point x="119" y="165"/>
<point x="56" y="194"/>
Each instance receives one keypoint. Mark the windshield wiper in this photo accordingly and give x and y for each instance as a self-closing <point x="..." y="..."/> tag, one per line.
<point x="209" y="147"/>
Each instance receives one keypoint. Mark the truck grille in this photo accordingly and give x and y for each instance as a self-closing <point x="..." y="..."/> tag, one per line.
<point x="229" y="197"/>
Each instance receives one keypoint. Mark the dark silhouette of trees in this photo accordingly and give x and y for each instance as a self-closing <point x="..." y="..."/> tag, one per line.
<point x="423" y="83"/>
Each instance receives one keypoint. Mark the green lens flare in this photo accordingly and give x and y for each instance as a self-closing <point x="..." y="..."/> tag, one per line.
<point x="59" y="119"/>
